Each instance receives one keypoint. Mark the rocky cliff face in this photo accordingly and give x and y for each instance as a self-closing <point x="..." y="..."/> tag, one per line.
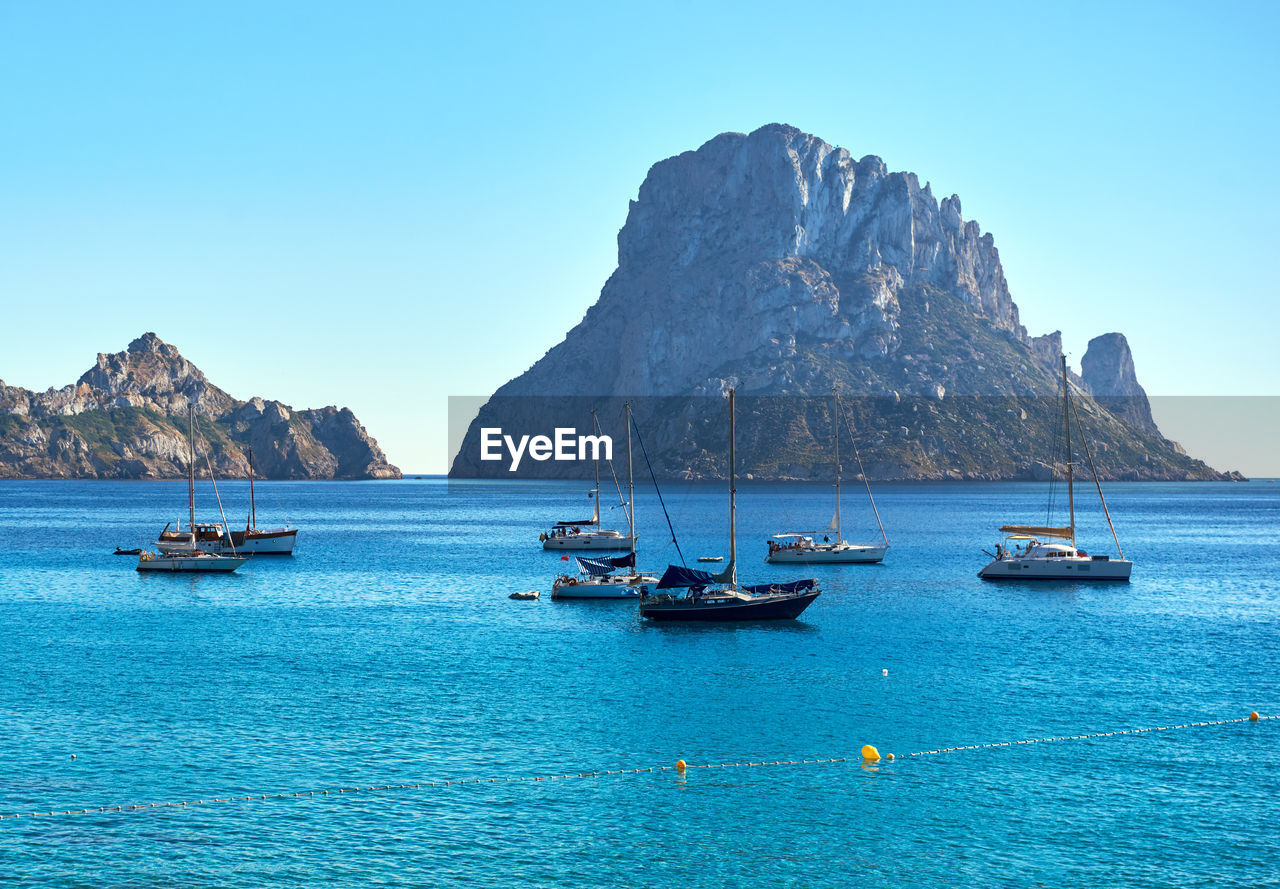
<point x="126" y="417"/>
<point x="778" y="264"/>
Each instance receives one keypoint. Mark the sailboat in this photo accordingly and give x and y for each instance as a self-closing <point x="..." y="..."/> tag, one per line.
<point x="184" y="553"/>
<point x="718" y="597"/>
<point x="801" y="546"/>
<point x="214" y="537"/>
<point x="587" y="533"/>
<point x="262" y="541"/>
<point x="596" y="578"/>
<point x="1023" y="556"/>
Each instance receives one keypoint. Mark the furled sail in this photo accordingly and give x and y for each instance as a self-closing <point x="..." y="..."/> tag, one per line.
<point x="678" y="576"/>
<point x="1037" y="531"/>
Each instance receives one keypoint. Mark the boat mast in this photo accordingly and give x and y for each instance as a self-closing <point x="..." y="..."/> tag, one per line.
<point x="1066" y="416"/>
<point x="191" y="468"/>
<point x="1089" y="453"/>
<point x="595" y="511"/>
<point x="733" y="505"/>
<point x="253" y="502"/>
<point x="835" y="394"/>
<point x="631" y="492"/>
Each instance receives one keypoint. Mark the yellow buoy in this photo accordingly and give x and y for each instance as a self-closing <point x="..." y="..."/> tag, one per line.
<point x="680" y="765"/>
<point x="870" y="754"/>
<point x="1253" y="717"/>
<point x="890" y="757"/>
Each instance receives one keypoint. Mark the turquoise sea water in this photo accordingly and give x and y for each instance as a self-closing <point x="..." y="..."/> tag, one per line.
<point x="387" y="652"/>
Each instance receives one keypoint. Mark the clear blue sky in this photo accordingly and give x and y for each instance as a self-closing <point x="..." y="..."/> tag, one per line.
<point x="384" y="204"/>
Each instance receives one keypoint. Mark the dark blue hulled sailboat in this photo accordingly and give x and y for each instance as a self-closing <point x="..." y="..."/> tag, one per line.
<point x="717" y="597"/>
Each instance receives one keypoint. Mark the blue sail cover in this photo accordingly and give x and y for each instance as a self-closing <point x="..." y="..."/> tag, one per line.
<point x="794" y="587"/>
<point x="606" y="565"/>
<point x="679" y="576"/>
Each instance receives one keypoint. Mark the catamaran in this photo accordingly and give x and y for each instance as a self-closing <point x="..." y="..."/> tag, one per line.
<point x="188" y="554"/>
<point x="802" y="546"/>
<point x="718" y="597"/>
<point x="587" y="534"/>
<point x="1023" y="556"/>
<point x="596" y="578"/>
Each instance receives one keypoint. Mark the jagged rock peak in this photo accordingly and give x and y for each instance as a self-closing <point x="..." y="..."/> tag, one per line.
<point x="155" y="371"/>
<point x="1108" y="373"/>
<point x="779" y="193"/>
<point x="1107" y="366"/>
<point x="150" y="343"/>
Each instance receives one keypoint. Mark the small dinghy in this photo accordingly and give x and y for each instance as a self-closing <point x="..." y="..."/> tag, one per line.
<point x="710" y="558"/>
<point x="127" y="552"/>
<point x="531" y="594"/>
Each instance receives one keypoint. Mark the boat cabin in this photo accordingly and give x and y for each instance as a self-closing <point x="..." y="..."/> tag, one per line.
<point x="1019" y="546"/>
<point x="791" y="540"/>
<point x="211" y="532"/>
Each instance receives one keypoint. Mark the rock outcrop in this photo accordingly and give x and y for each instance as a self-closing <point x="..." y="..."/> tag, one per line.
<point x="778" y="264"/>
<point x="1108" y="373"/>
<point x="126" y="417"/>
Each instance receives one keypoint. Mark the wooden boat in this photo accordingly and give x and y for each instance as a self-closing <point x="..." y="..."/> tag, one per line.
<point x="262" y="541"/>
<point x="214" y="537"/>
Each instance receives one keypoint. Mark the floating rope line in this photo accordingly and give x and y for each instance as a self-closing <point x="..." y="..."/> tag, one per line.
<point x="680" y="767"/>
<point x="1252" y="717"/>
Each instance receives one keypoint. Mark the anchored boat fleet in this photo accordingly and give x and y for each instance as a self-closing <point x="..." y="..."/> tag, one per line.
<point x="680" y="593"/>
<point x="720" y="597"/>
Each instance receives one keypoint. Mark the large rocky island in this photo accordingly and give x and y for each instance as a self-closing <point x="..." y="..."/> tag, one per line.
<point x="126" y="417"/>
<point x="780" y="265"/>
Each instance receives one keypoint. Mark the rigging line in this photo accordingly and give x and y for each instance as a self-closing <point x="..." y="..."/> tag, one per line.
<point x="661" y="502"/>
<point x="616" y="486"/>
<point x="1055" y="453"/>
<point x="863" y="472"/>
<point x="213" y="479"/>
<point x="1098" y="483"/>
<point x="226" y="527"/>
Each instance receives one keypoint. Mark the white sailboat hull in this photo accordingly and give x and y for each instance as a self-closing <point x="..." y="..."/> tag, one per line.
<point x="1057" y="569"/>
<point x="625" y="587"/>
<point x="828" y="553"/>
<point x="190" y="564"/>
<point x="277" y="542"/>
<point x="596" y="540"/>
